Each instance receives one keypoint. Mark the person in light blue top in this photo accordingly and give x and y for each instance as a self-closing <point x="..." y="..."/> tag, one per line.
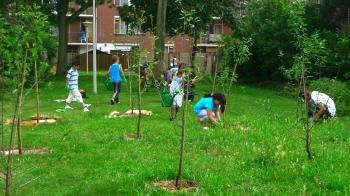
<point x="210" y="107"/>
<point x="115" y="74"/>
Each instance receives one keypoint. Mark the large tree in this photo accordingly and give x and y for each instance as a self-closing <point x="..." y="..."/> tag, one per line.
<point x="57" y="12"/>
<point x="62" y="9"/>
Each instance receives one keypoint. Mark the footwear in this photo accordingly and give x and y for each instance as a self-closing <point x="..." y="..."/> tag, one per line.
<point x="67" y="107"/>
<point x="87" y="105"/>
<point x="112" y="102"/>
<point x="86" y="110"/>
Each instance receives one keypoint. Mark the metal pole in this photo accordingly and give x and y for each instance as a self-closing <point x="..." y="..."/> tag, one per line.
<point x="94" y="50"/>
<point x="87" y="49"/>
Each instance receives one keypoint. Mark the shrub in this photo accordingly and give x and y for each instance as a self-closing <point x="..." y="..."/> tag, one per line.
<point x="337" y="90"/>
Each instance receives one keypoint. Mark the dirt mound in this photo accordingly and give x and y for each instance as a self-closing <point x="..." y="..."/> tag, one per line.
<point x="170" y="185"/>
<point x="132" y="137"/>
<point x="15" y="151"/>
<point x="115" y="114"/>
<point x="33" y="121"/>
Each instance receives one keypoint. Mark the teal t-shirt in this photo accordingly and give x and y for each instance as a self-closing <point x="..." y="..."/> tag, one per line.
<point x="114" y="73"/>
<point x="203" y="104"/>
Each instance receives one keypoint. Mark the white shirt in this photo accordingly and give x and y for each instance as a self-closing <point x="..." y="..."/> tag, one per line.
<point x="321" y="98"/>
<point x="176" y="83"/>
<point x="72" y="77"/>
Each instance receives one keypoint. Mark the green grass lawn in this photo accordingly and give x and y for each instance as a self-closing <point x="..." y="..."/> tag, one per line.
<point x="261" y="152"/>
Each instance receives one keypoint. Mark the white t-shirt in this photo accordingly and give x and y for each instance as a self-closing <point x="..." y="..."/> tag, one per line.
<point x="72" y="77"/>
<point x="321" y="98"/>
<point x="176" y="84"/>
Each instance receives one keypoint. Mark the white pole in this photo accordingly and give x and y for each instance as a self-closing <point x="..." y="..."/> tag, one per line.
<point x="94" y="50"/>
<point x="87" y="49"/>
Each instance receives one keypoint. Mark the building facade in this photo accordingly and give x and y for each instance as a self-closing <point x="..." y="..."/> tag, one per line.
<point x="112" y="39"/>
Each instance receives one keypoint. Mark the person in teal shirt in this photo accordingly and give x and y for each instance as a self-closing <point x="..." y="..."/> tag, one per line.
<point x="115" y="73"/>
<point x="210" y="107"/>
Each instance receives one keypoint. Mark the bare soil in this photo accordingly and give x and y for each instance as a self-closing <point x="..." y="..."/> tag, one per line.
<point x="15" y="151"/>
<point x="115" y="114"/>
<point x="169" y="185"/>
<point x="132" y="137"/>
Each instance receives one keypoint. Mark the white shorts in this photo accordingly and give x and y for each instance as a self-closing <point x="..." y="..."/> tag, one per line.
<point x="74" y="94"/>
<point x="203" y="114"/>
<point x="177" y="100"/>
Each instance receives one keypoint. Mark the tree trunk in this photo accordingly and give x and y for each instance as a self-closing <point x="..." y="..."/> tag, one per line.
<point x="306" y="123"/>
<point x="9" y="157"/>
<point x="2" y="102"/>
<point x="139" y="103"/>
<point x="183" y="130"/>
<point x="37" y="93"/>
<point x="62" y="9"/>
<point x="159" y="41"/>
<point x="215" y="77"/>
<point x="20" y="103"/>
<point x="229" y="89"/>
<point x="130" y="86"/>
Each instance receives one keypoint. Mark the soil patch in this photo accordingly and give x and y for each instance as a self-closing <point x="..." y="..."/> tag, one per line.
<point x="15" y="151"/>
<point x="115" y="114"/>
<point x="169" y="185"/>
<point x="132" y="137"/>
<point x="33" y="121"/>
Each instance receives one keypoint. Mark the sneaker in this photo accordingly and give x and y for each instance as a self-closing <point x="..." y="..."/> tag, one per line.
<point x="67" y="107"/>
<point x="86" y="110"/>
<point x="112" y="102"/>
<point x="87" y="105"/>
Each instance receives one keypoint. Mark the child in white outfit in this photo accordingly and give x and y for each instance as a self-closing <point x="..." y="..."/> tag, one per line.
<point x="72" y="85"/>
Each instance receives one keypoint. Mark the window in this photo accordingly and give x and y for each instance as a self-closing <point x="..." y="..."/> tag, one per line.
<point x="119" y="3"/>
<point x="119" y="26"/>
<point x="217" y="29"/>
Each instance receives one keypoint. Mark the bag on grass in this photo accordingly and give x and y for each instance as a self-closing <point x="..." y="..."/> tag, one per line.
<point x="167" y="100"/>
<point x="108" y="84"/>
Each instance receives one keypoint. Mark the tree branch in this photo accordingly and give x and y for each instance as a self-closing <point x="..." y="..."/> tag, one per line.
<point x="82" y="8"/>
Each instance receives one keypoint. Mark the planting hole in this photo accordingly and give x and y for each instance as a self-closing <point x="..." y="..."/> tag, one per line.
<point x="170" y="185"/>
<point x="15" y="151"/>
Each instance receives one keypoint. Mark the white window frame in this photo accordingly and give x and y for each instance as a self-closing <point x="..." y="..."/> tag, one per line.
<point x="121" y="24"/>
<point x="118" y="4"/>
<point x="220" y="26"/>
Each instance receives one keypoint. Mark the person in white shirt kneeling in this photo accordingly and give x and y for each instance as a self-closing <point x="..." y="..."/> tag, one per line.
<point x="320" y="105"/>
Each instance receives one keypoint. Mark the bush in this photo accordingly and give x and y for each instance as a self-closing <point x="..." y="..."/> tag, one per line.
<point x="337" y="90"/>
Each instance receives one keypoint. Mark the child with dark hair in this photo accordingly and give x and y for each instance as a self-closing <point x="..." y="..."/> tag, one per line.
<point x="210" y="107"/>
<point x="177" y="93"/>
<point x="115" y="73"/>
<point x="319" y="105"/>
<point x="72" y="85"/>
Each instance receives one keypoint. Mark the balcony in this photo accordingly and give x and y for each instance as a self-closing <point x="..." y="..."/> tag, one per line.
<point x="79" y="38"/>
<point x="214" y="38"/>
<point x="88" y="13"/>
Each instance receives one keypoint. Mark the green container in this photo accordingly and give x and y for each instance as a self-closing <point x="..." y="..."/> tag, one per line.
<point x="167" y="100"/>
<point x="109" y="85"/>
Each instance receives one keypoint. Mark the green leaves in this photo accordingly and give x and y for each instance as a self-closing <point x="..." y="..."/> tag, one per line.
<point x="23" y="41"/>
<point x="312" y="51"/>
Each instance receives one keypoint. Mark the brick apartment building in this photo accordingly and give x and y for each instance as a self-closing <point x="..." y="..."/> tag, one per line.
<point x="112" y="39"/>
